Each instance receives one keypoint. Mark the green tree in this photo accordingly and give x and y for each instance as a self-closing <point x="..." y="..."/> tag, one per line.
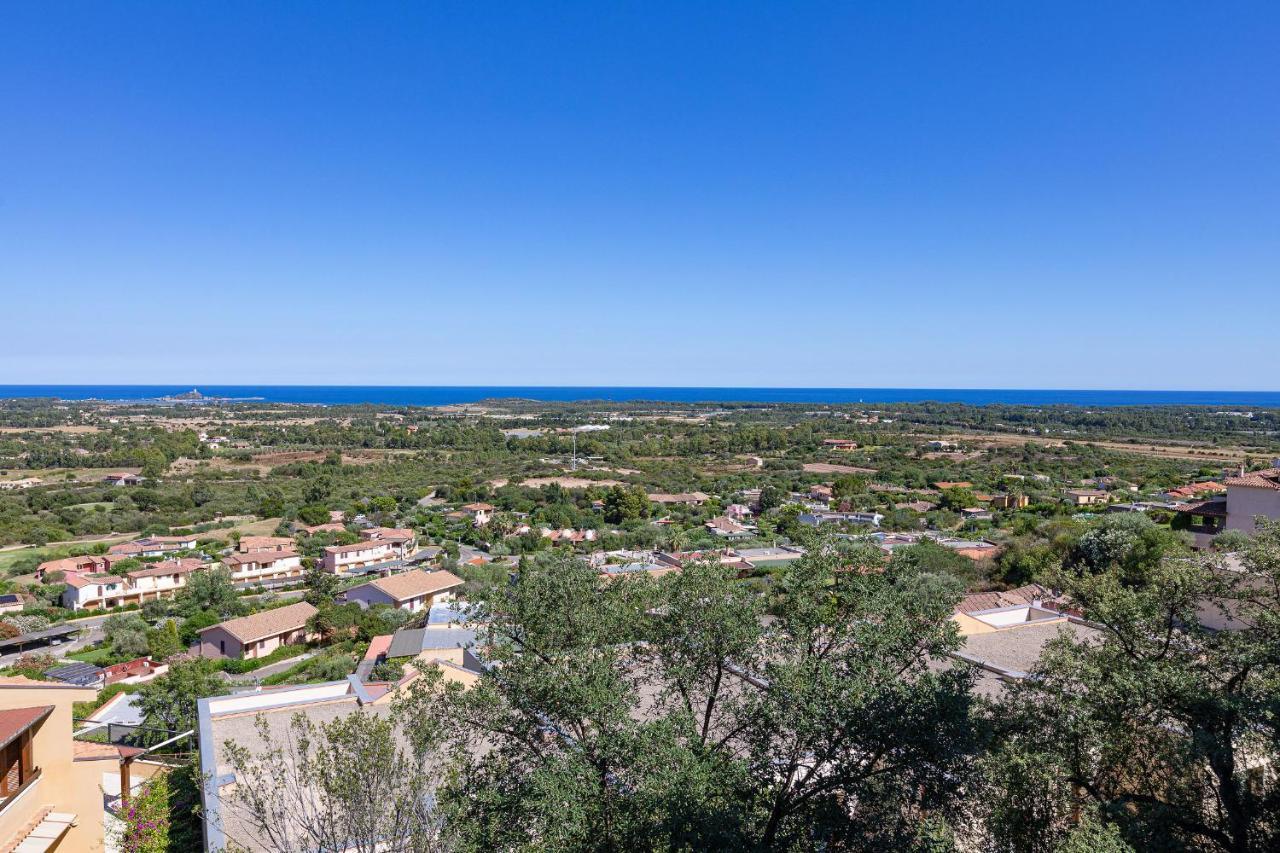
<point x="169" y="702"/>
<point x="322" y="586"/>
<point x="126" y="635"/>
<point x="210" y="590"/>
<point x="625" y="504"/>
<point x="163" y="640"/>
<point x="361" y="782"/>
<point x="1158" y="722"/>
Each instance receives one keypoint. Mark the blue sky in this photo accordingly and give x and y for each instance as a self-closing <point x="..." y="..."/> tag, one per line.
<point x="814" y="194"/>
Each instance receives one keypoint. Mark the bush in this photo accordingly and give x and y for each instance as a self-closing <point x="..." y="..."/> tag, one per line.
<point x="145" y="821"/>
<point x="243" y="665"/>
<point x="387" y="671"/>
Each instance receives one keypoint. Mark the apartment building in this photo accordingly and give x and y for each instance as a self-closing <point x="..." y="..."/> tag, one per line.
<point x="342" y="559"/>
<point x="402" y="540"/>
<point x="263" y="565"/>
<point x="104" y="591"/>
<point x="253" y="544"/>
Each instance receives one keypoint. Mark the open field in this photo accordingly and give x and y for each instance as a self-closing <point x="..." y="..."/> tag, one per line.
<point x="832" y="468"/>
<point x="1166" y="450"/>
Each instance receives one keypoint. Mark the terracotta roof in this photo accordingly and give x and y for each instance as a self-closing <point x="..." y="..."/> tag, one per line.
<point x="15" y="721"/>
<point x="257" y="557"/>
<point x="478" y="507"/>
<point x="407" y="585"/>
<point x="387" y="533"/>
<point x="76" y="564"/>
<point x="979" y="601"/>
<point x="1216" y="508"/>
<point x="169" y="567"/>
<point x="263" y="543"/>
<point x="268" y="623"/>
<point x="1267" y="479"/>
<point x="80" y="581"/>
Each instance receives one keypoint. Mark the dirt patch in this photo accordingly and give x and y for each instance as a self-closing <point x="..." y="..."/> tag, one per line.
<point x="567" y="482"/>
<point x="832" y="468"/>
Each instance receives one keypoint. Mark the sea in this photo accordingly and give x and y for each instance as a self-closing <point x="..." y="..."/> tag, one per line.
<point x="440" y="395"/>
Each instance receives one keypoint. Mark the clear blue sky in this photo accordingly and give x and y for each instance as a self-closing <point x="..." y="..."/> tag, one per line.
<point x="847" y="194"/>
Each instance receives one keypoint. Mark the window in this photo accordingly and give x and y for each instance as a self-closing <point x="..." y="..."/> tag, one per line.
<point x="222" y="647"/>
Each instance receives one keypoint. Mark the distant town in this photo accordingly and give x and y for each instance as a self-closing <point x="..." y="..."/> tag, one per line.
<point x="803" y="618"/>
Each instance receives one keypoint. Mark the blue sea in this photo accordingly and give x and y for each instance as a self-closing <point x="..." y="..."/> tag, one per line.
<point x="439" y="395"/>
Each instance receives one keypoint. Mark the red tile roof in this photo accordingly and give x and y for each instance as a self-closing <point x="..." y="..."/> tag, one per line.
<point x="15" y="721"/>
<point x="1267" y="479"/>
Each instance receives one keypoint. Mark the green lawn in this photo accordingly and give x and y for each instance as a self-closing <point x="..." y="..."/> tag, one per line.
<point x="100" y="657"/>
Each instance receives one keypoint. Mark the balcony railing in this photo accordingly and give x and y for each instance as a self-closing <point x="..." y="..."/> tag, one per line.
<point x="32" y="778"/>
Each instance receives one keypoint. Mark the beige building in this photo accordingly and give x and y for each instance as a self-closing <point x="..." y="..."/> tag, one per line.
<point x="251" y="544"/>
<point x="263" y="565"/>
<point x="413" y="591"/>
<point x="259" y="634"/>
<point x="105" y="591"/>
<point x="51" y="786"/>
<point x="341" y="559"/>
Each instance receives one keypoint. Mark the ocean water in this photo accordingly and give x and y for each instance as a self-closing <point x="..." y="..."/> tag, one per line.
<point x="438" y="395"/>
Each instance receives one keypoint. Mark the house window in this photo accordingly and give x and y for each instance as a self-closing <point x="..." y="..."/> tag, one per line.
<point x="222" y="647"/>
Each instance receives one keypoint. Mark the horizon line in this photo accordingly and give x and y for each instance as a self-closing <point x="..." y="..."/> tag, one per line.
<point x="196" y="386"/>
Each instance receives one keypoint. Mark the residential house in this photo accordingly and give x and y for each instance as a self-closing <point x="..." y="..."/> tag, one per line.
<point x="1009" y="501"/>
<point x="479" y="513"/>
<point x="402" y="540"/>
<point x="413" y="591"/>
<point x="86" y="564"/>
<point x="263" y="565"/>
<point x="123" y="479"/>
<point x="153" y="546"/>
<point x="258" y="634"/>
<point x="1086" y="497"/>
<point x="958" y="484"/>
<point x="976" y="513"/>
<point x="1195" y="490"/>
<point x="820" y="492"/>
<point x="343" y="559"/>
<point x="738" y="512"/>
<point x="819" y="518"/>
<point x="1252" y="494"/>
<point x="12" y="602"/>
<point x="842" y="444"/>
<point x="727" y="527"/>
<point x="234" y="719"/>
<point x="252" y="544"/>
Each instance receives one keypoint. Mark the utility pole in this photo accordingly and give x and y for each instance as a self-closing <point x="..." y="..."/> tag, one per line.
<point x="573" y="466"/>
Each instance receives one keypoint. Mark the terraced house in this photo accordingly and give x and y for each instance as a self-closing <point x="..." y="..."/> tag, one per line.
<point x="342" y="559"/>
<point x="97" y="590"/>
<point x="153" y="546"/>
<point x="263" y="565"/>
